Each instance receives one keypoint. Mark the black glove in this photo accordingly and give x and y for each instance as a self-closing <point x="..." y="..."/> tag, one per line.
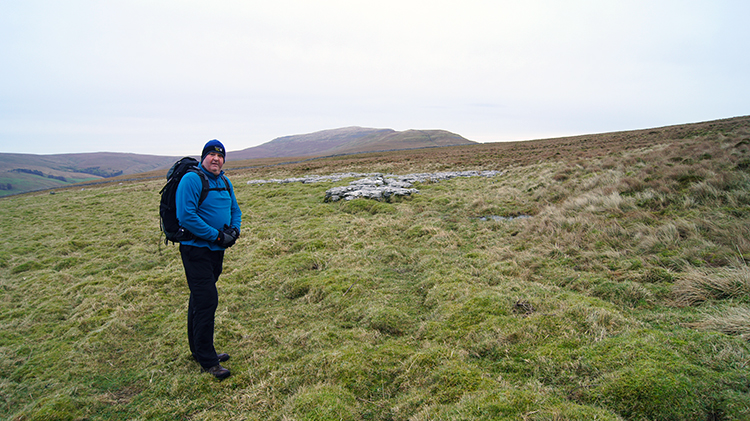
<point x="232" y="230"/>
<point x="227" y="237"/>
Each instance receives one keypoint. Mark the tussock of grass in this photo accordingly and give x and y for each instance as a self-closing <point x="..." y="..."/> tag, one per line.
<point x="626" y="289"/>
<point x="734" y="321"/>
<point x="697" y="285"/>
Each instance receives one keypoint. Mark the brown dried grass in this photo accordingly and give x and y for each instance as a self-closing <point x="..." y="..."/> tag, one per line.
<point x="699" y="285"/>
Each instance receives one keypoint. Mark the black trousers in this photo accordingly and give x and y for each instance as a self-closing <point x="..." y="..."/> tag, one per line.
<point x="202" y="269"/>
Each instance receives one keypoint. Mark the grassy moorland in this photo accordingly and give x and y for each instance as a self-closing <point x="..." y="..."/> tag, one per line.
<point x="623" y="297"/>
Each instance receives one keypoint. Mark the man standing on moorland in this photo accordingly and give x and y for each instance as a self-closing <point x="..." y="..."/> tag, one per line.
<point x="215" y="225"/>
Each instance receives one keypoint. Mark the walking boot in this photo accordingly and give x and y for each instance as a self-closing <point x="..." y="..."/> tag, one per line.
<point x="218" y="371"/>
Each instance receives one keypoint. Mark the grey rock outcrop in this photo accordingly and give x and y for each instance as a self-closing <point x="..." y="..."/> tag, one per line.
<point x="377" y="186"/>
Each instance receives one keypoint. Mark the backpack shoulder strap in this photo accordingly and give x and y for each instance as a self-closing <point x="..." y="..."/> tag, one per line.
<point x="205" y="189"/>
<point x="226" y="183"/>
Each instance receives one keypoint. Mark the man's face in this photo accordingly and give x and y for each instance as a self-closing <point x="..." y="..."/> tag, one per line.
<point x="213" y="163"/>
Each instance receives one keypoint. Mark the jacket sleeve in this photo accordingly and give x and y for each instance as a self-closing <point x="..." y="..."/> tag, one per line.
<point x="186" y="203"/>
<point x="236" y="212"/>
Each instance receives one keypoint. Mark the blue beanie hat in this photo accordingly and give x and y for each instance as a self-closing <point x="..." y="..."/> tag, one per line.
<point x="213" y="146"/>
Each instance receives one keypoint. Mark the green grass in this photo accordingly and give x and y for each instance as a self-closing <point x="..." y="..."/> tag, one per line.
<point x="624" y="296"/>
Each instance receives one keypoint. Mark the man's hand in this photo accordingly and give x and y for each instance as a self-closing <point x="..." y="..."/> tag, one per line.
<point x="233" y="231"/>
<point x="227" y="237"/>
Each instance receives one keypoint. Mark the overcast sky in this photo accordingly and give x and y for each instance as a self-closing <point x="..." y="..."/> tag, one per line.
<point x="163" y="77"/>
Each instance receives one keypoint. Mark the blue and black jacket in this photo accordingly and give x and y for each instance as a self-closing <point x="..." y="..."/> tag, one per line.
<point x="218" y="209"/>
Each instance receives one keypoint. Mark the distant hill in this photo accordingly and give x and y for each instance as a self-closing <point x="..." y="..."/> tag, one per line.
<point x="350" y="140"/>
<point x="27" y="172"/>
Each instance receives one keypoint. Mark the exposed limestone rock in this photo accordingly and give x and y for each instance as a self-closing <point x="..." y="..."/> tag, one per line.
<point x="378" y="188"/>
<point x="375" y="185"/>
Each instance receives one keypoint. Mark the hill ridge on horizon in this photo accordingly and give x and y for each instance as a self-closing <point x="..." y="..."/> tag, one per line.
<point x="351" y="139"/>
<point x="42" y="172"/>
<point x="21" y="173"/>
